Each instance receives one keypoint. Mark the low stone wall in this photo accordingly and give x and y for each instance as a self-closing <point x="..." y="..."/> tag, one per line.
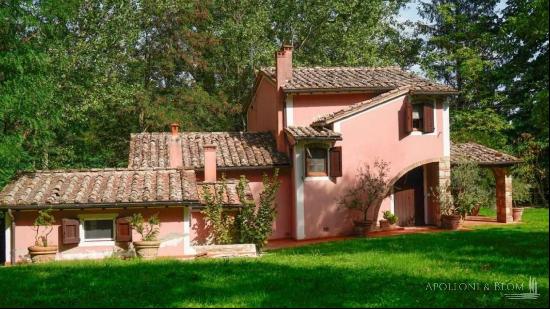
<point x="225" y="251"/>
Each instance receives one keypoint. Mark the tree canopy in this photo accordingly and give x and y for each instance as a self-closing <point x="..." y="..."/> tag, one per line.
<point x="78" y="76"/>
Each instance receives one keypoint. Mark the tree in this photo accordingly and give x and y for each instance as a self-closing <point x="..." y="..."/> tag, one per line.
<point x="523" y="44"/>
<point x="370" y="188"/>
<point x="458" y="48"/>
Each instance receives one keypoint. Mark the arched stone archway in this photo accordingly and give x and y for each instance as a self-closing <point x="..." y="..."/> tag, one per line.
<point x="437" y="172"/>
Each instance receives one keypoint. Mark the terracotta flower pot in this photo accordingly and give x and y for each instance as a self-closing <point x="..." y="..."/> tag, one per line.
<point x="147" y="250"/>
<point x="385" y="224"/>
<point x="517" y="213"/>
<point x="451" y="222"/>
<point x="41" y="254"/>
<point x="362" y="228"/>
<point x="475" y="210"/>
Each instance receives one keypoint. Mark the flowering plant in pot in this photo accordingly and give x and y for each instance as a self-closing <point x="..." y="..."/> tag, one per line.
<point x="389" y="220"/>
<point x="370" y="188"/>
<point x="42" y="250"/>
<point x="148" y="246"/>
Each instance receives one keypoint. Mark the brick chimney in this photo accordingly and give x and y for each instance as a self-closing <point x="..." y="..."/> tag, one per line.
<point x="174" y="147"/>
<point x="209" y="163"/>
<point x="175" y="128"/>
<point x="283" y="73"/>
<point x="283" y="68"/>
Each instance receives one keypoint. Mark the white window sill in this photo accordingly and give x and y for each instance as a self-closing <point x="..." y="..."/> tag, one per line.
<point x="96" y="243"/>
<point x="316" y="178"/>
<point x="420" y="133"/>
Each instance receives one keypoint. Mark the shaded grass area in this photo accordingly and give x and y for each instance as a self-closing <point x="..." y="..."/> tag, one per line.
<point x="391" y="271"/>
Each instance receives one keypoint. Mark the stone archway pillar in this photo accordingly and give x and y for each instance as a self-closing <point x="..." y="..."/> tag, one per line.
<point x="444" y="180"/>
<point x="503" y="181"/>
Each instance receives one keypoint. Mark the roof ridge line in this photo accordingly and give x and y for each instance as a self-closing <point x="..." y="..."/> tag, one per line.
<point x="322" y="120"/>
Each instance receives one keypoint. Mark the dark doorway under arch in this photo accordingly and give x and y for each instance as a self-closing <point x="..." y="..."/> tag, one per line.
<point x="409" y="203"/>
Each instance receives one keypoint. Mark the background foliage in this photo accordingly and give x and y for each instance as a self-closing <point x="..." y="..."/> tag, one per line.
<point x="78" y="76"/>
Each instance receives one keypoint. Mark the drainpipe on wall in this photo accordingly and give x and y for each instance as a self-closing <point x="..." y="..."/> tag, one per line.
<point x="12" y="237"/>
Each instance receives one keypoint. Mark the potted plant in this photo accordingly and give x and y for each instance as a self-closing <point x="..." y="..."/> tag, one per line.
<point x="521" y="196"/>
<point x="371" y="187"/>
<point x="43" y="251"/>
<point x="148" y="246"/>
<point x="389" y="220"/>
<point x="517" y="213"/>
<point x="450" y="215"/>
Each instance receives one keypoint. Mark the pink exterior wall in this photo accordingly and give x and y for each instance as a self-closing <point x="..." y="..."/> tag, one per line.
<point x="282" y="226"/>
<point x="306" y="108"/>
<point x="171" y="230"/>
<point x="366" y="136"/>
<point x="262" y="112"/>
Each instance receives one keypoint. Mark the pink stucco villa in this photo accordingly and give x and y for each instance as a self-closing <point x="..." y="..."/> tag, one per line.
<point x="318" y="125"/>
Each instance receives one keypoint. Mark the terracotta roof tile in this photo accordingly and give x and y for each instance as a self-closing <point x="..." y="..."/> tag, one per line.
<point x="359" y="78"/>
<point x="234" y="149"/>
<point x="301" y="133"/>
<point x="360" y="106"/>
<point x="100" y="186"/>
<point x="480" y="154"/>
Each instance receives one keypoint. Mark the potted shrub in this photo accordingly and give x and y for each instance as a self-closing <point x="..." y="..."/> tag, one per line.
<point x="148" y="246"/>
<point x="371" y="186"/>
<point x="43" y="251"/>
<point x="389" y="220"/>
<point x="450" y="215"/>
<point x="521" y="196"/>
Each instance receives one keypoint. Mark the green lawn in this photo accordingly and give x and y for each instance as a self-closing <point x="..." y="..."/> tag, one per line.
<point x="391" y="271"/>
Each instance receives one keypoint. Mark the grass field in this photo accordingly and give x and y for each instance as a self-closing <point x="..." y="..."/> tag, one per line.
<point x="392" y="271"/>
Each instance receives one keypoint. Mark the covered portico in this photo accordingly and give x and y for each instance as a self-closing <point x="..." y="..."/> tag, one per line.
<point x="499" y="163"/>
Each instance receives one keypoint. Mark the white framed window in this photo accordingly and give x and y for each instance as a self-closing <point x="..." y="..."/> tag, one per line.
<point x="97" y="229"/>
<point x="418" y="117"/>
<point x="316" y="161"/>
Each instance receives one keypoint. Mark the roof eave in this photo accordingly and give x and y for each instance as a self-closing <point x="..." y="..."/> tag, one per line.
<point x="148" y="204"/>
<point x="319" y="138"/>
<point x="250" y="167"/>
<point x="364" y="89"/>
<point x="336" y="90"/>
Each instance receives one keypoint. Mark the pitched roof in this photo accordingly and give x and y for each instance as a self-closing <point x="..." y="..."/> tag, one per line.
<point x="480" y="154"/>
<point x="234" y="150"/>
<point x="100" y="187"/>
<point x="311" y="133"/>
<point x="361" y="106"/>
<point x="356" y="78"/>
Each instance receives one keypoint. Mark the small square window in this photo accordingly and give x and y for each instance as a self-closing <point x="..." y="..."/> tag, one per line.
<point x="316" y="161"/>
<point x="98" y="230"/>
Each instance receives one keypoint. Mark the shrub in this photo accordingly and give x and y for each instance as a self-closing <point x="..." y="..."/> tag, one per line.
<point x="522" y="191"/>
<point x="468" y="188"/>
<point x="148" y="230"/>
<point x="442" y="195"/>
<point x="371" y="186"/>
<point x="220" y="223"/>
<point x="255" y="222"/>
<point x="392" y="219"/>
<point x="43" y="227"/>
